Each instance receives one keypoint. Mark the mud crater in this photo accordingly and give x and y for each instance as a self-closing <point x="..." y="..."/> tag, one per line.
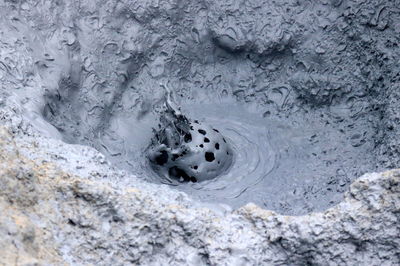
<point x="302" y="108"/>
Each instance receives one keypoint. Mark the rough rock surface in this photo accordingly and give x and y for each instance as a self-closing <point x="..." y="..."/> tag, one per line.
<point x="51" y="216"/>
<point x="74" y="70"/>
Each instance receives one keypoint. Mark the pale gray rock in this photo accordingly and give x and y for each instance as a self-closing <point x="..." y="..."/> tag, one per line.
<point x="84" y="219"/>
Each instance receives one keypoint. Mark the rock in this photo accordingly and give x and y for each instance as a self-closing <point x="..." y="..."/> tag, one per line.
<point x="54" y="216"/>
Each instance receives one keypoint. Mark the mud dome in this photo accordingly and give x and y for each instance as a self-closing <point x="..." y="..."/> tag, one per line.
<point x="188" y="151"/>
<point x="304" y="93"/>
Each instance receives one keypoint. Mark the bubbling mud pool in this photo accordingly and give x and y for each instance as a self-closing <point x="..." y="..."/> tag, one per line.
<point x="307" y="105"/>
<point x="271" y="163"/>
<point x="254" y="157"/>
<point x="292" y="166"/>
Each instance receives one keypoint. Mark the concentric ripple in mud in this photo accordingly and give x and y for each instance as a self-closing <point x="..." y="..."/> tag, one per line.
<point x="291" y="166"/>
<point x="254" y="157"/>
<point x="282" y="166"/>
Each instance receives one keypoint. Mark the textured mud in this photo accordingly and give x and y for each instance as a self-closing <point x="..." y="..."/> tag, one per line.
<point x="307" y="93"/>
<point x="314" y="82"/>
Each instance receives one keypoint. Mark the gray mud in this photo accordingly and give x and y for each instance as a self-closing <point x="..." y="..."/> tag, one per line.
<point x="307" y="92"/>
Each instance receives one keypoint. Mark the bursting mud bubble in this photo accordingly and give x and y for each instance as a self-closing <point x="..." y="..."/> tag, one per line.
<point x="196" y="153"/>
<point x="186" y="150"/>
<point x="305" y="94"/>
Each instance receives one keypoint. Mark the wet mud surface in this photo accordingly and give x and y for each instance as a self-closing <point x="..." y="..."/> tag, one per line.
<point x="306" y="93"/>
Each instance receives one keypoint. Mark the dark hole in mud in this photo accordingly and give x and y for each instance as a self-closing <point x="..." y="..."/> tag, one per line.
<point x="217" y="146"/>
<point x="203" y="132"/>
<point x="188" y="137"/>
<point x="179" y="173"/>
<point x="206" y="140"/>
<point x="209" y="156"/>
<point x="162" y="158"/>
<point x="175" y="156"/>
